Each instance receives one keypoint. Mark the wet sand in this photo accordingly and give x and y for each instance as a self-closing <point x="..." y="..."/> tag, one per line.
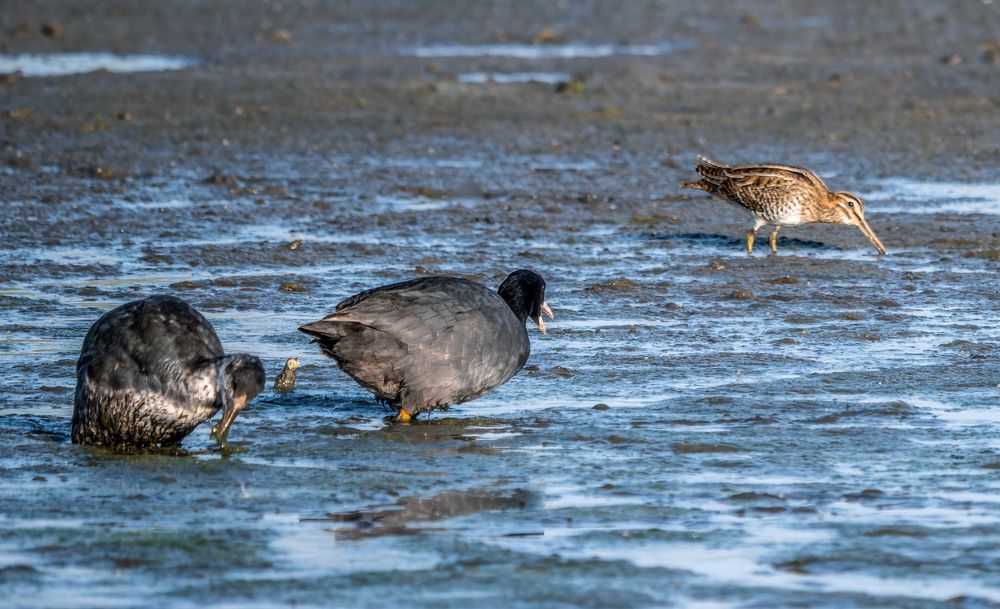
<point x="817" y="428"/>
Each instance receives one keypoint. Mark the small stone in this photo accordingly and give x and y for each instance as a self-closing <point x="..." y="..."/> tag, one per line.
<point x="289" y="286"/>
<point x="184" y="285"/>
<point x="575" y="85"/>
<point x="991" y="52"/>
<point x="547" y="35"/>
<point x="423" y="191"/>
<point x="19" y="161"/>
<point x="101" y="172"/>
<point x="52" y="29"/>
<point x="616" y="284"/>
<point x="740" y="295"/>
<point x="221" y="179"/>
<point x="19" y="114"/>
<point x="563" y="372"/>
<point x="281" y="36"/>
<point x="21" y="30"/>
<point x="294" y="245"/>
<point x="601" y="406"/>
<point x="716" y="265"/>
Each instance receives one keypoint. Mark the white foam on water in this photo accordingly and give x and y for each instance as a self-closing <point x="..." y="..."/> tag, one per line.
<point x="942" y="517"/>
<point x="312" y="549"/>
<point x="492" y="435"/>
<point x="496" y="406"/>
<point x="64" y="64"/>
<point x="40" y="523"/>
<point x="952" y="414"/>
<point x="935" y="197"/>
<point x="425" y="203"/>
<point x="540" y="51"/>
<point x="594" y="324"/>
<point x="572" y="496"/>
<point x="743" y="567"/>
<point x="482" y="78"/>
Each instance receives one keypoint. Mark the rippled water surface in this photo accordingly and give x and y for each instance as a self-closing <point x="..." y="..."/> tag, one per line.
<point x="699" y="427"/>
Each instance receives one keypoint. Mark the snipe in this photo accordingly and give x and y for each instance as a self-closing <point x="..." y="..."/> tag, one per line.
<point x="781" y="195"/>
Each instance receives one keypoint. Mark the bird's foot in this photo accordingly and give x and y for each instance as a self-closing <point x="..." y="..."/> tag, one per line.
<point x="220" y="437"/>
<point x="403" y="417"/>
<point x="751" y="237"/>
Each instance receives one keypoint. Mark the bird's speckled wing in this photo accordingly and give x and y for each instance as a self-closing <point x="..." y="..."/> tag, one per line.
<point x="425" y="343"/>
<point x="762" y="189"/>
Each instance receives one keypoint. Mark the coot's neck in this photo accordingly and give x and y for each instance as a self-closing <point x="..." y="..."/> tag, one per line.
<point x="515" y="299"/>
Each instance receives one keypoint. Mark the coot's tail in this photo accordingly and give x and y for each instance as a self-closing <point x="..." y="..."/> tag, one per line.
<point x="323" y="330"/>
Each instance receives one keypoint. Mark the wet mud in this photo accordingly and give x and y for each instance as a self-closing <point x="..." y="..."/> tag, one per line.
<point x="698" y="429"/>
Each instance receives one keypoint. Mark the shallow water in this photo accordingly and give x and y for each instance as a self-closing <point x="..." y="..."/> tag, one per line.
<point x="829" y="437"/>
<point x="699" y="429"/>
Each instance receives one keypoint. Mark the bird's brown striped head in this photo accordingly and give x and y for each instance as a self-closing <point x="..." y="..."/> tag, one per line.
<point x="848" y="209"/>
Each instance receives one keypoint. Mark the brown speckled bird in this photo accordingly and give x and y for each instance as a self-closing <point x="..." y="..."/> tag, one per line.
<point x="781" y="195"/>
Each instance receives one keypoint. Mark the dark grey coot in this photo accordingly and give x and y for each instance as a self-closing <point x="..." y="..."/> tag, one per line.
<point x="151" y="371"/>
<point x="427" y="343"/>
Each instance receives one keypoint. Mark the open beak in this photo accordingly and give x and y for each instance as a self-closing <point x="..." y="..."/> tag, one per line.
<point x="547" y="311"/>
<point x="868" y="232"/>
<point x="230" y="409"/>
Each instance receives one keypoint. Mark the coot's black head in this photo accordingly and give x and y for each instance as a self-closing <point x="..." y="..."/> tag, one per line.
<point x="524" y="292"/>
<point x="241" y="378"/>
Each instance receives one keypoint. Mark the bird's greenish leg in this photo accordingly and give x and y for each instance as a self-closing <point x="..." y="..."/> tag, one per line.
<point x="752" y="236"/>
<point x="774" y="239"/>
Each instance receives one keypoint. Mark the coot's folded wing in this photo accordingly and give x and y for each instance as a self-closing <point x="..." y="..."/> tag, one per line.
<point x="413" y="309"/>
<point x="148" y="344"/>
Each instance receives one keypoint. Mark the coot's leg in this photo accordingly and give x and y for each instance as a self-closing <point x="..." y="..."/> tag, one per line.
<point x="402" y="416"/>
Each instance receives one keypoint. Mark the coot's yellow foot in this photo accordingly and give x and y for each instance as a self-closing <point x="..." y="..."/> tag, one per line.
<point x="402" y="416"/>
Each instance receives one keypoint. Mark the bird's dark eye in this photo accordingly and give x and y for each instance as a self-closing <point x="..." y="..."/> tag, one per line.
<point x="851" y="203"/>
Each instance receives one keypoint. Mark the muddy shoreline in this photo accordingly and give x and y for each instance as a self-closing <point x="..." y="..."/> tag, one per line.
<point x="699" y="428"/>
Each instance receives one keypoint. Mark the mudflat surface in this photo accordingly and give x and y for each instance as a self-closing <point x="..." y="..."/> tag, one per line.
<point x="818" y="428"/>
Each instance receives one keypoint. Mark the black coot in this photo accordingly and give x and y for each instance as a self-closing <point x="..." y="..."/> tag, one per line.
<point x="151" y="371"/>
<point x="428" y="343"/>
